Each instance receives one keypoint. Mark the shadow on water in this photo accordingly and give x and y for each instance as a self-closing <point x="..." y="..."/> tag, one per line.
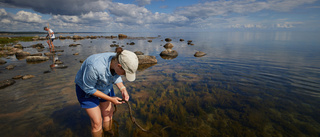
<point x="69" y="121"/>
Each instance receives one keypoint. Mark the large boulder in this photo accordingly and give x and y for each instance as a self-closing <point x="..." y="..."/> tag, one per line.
<point x="36" y="58"/>
<point x="146" y="59"/>
<point x="6" y="83"/>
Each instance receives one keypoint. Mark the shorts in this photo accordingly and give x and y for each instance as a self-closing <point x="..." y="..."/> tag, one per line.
<point x="51" y="39"/>
<point x="91" y="101"/>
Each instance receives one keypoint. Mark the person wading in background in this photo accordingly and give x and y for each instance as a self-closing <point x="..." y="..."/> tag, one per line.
<point x="51" y="38"/>
<point x="94" y="86"/>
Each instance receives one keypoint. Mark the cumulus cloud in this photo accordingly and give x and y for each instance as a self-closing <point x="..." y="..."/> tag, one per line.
<point x="27" y="17"/>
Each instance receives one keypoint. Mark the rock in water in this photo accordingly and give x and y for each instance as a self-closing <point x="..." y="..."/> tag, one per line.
<point x="199" y="54"/>
<point x="6" y="83"/>
<point x="28" y="76"/>
<point x="36" y="58"/>
<point x="146" y="59"/>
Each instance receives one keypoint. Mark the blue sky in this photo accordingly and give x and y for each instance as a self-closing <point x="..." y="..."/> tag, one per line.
<point x="160" y="15"/>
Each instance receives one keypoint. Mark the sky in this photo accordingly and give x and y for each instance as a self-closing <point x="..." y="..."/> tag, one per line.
<point x="159" y="15"/>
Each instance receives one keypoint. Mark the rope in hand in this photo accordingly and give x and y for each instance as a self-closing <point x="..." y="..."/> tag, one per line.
<point x="133" y="119"/>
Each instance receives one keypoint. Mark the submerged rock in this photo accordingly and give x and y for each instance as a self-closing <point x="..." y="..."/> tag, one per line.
<point x="39" y="45"/>
<point x="146" y="59"/>
<point x="199" y="54"/>
<point x="28" y="76"/>
<point x="10" y="67"/>
<point x="6" y="83"/>
<point x="17" y="77"/>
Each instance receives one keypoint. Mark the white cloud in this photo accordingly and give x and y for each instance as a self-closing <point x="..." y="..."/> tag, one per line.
<point x="6" y="21"/>
<point x="27" y="17"/>
<point x="3" y="12"/>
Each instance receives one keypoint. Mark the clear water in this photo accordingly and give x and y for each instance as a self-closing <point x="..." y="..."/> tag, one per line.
<point x="248" y="84"/>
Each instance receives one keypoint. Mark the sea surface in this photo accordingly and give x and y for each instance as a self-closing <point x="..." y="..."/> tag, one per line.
<point x="247" y="84"/>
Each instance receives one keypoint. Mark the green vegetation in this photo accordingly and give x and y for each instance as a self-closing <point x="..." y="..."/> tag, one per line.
<point x="200" y="109"/>
<point x="7" y="40"/>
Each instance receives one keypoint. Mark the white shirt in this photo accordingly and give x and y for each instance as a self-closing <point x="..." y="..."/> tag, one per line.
<point x="52" y="35"/>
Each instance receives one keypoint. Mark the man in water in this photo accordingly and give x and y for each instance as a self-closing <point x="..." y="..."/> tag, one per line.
<point x="51" y="38"/>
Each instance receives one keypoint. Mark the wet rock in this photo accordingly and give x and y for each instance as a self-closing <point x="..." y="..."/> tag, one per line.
<point x="19" y="46"/>
<point x="39" y="46"/>
<point x="181" y="39"/>
<point x="168" y="46"/>
<point x="199" y="54"/>
<point x="169" y="54"/>
<point x="49" y="54"/>
<point x="190" y="42"/>
<point x="36" y="54"/>
<point x="76" y="54"/>
<point x="93" y="37"/>
<point x="75" y="37"/>
<point x="17" y="77"/>
<point x="42" y="38"/>
<point x="113" y="36"/>
<point x="36" y="58"/>
<point x="58" y="62"/>
<point x="28" y="76"/>
<point x="59" y="66"/>
<point x="149" y="40"/>
<point x="62" y="37"/>
<point x="21" y="54"/>
<point x="122" y="36"/>
<point x="6" y="83"/>
<point x="146" y="59"/>
<point x="10" y="67"/>
<point x="74" y="45"/>
<point x="131" y="43"/>
<point x="2" y="61"/>
<point x="168" y="39"/>
<point x="139" y="53"/>
<point x="82" y="60"/>
<point x="114" y="45"/>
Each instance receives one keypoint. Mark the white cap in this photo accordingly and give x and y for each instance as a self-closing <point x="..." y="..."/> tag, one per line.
<point x="129" y="62"/>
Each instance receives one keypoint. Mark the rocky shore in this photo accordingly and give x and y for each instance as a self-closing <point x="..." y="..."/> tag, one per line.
<point x="17" y="50"/>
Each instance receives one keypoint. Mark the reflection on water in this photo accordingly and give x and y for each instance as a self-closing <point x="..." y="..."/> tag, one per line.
<point x="248" y="84"/>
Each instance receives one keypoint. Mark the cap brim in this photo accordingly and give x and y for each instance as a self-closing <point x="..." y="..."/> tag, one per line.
<point x="131" y="76"/>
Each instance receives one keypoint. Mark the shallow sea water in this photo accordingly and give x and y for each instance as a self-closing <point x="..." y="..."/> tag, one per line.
<point x="248" y="84"/>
